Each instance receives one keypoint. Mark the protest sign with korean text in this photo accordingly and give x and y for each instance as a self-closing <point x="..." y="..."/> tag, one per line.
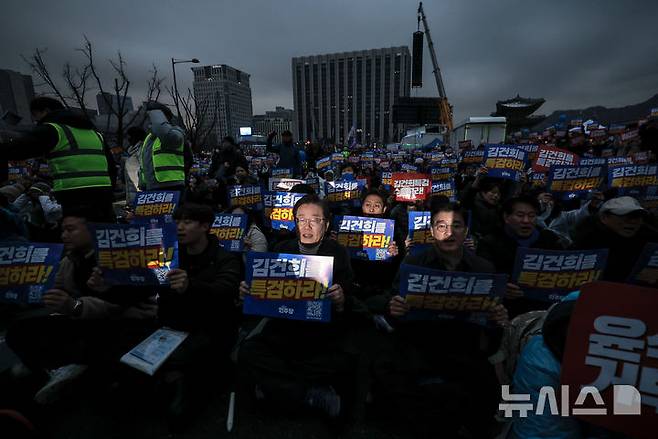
<point x="547" y="157"/>
<point x="27" y="270"/>
<point x="289" y="286"/>
<point x="283" y="184"/>
<point x="593" y="161"/>
<point x="387" y="180"/>
<point x="532" y="150"/>
<point x="323" y="164"/>
<point x="249" y="196"/>
<point x="613" y="341"/>
<point x="278" y="209"/>
<point x="344" y="192"/>
<point x="153" y="204"/>
<point x="136" y="253"/>
<point x="411" y="187"/>
<point x="645" y="271"/>
<point x="633" y="180"/>
<point x="282" y="172"/>
<point x="434" y="294"/>
<point x="420" y="230"/>
<point x="472" y="157"/>
<point x="505" y="161"/>
<point x="550" y="274"/>
<point x="230" y="230"/>
<point x="574" y="181"/>
<point x="441" y="173"/>
<point x="618" y="161"/>
<point x="365" y="238"/>
<point x="445" y="189"/>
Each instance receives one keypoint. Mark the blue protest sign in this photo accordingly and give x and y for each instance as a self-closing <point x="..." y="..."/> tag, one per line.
<point x="387" y="180"/>
<point x="249" y="196"/>
<point x="633" y="180"/>
<point x="289" y="286"/>
<point x="230" y="230"/>
<point x="505" y="161"/>
<point x="282" y="172"/>
<point x="154" y="204"/>
<point x="278" y="209"/>
<point x="131" y="254"/>
<point x="344" y="192"/>
<point x="472" y="157"/>
<point x="445" y="188"/>
<point x="27" y="270"/>
<point x="574" y="181"/>
<point x="434" y="294"/>
<point x="365" y="238"/>
<point x="550" y="274"/>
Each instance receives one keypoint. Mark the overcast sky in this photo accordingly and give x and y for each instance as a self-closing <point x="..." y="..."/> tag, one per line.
<point x="573" y="53"/>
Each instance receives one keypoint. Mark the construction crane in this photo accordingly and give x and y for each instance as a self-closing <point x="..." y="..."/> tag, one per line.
<point x="445" y="109"/>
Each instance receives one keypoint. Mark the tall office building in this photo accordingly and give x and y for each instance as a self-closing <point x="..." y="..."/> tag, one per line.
<point x="338" y="91"/>
<point x="224" y="94"/>
<point x="16" y="92"/>
<point x="110" y="102"/>
<point x="279" y="120"/>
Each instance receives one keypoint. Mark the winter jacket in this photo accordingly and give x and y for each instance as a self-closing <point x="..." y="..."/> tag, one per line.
<point x="623" y="252"/>
<point x="208" y="304"/>
<point x="485" y="218"/>
<point x="289" y="156"/>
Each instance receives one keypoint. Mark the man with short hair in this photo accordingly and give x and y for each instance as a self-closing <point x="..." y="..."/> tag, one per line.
<point x="620" y="227"/>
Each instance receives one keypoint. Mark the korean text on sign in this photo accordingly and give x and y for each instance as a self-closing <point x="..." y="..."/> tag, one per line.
<point x="136" y="254"/>
<point x="550" y="274"/>
<point x="433" y="294"/>
<point x="548" y="157"/>
<point x="289" y="286"/>
<point x="411" y="187"/>
<point x="613" y="340"/>
<point x="365" y="238"/>
<point x="344" y="191"/>
<point x="27" y="270"/>
<point x="245" y="196"/>
<point x="633" y="179"/>
<point x="504" y="161"/>
<point x="420" y="232"/>
<point x="571" y="181"/>
<point x="155" y="203"/>
<point x="278" y="209"/>
<point x="230" y="230"/>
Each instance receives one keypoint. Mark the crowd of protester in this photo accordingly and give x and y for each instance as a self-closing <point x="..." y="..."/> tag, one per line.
<point x="437" y="378"/>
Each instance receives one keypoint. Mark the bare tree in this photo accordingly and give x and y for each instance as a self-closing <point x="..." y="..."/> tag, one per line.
<point x="78" y="81"/>
<point x="198" y="118"/>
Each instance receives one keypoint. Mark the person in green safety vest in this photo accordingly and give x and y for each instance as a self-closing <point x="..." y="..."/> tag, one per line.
<point x="162" y="155"/>
<point x="80" y="163"/>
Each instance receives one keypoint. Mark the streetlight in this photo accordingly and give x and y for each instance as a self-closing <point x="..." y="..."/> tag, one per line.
<point x="173" y="69"/>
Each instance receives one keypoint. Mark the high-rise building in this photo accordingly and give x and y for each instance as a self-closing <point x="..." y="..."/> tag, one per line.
<point x="338" y="91"/>
<point x="279" y="120"/>
<point x="16" y="92"/>
<point x="223" y="95"/>
<point x="110" y="102"/>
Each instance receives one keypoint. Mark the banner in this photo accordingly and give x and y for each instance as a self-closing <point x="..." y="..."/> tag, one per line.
<point x="155" y="204"/>
<point x="289" y="286"/>
<point x="448" y="162"/>
<point x="406" y="167"/>
<point x="633" y="180"/>
<point x="465" y="144"/>
<point x="323" y="164"/>
<point x="278" y="209"/>
<point x="547" y="157"/>
<point x="15" y="173"/>
<point x="531" y="149"/>
<point x="612" y="340"/>
<point x="248" y="196"/>
<point x="640" y="157"/>
<point x="629" y="135"/>
<point x="442" y="173"/>
<point x="365" y="238"/>
<point x="284" y="184"/>
<point x="593" y="161"/>
<point x="472" y="157"/>
<point x="505" y="161"/>
<point x="411" y="187"/>
<point x="27" y="270"/>
<point x="337" y="159"/>
<point x="314" y="183"/>
<point x="550" y="274"/>
<point x="387" y="180"/>
<point x="433" y="294"/>
<point x="230" y="229"/>
<point x="445" y="188"/>
<point x="618" y="161"/>
<point x="282" y="172"/>
<point x="344" y="192"/>
<point x="574" y="181"/>
<point x="645" y="271"/>
<point x="131" y="254"/>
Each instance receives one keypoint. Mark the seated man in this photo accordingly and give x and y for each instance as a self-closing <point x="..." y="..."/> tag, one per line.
<point x="437" y="373"/>
<point x="296" y="363"/>
<point x="520" y="230"/>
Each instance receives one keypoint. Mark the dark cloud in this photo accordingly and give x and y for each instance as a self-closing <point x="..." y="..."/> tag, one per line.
<point x="573" y="53"/>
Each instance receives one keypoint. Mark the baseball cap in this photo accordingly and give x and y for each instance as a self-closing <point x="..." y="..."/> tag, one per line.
<point x="622" y="206"/>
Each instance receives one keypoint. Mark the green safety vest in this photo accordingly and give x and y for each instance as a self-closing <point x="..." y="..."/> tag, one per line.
<point x="78" y="160"/>
<point x="168" y="166"/>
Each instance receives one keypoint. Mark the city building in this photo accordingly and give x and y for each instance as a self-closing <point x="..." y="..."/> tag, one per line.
<point x="338" y="91"/>
<point x="110" y="102"/>
<point x="279" y="120"/>
<point x="16" y="92"/>
<point x="223" y="97"/>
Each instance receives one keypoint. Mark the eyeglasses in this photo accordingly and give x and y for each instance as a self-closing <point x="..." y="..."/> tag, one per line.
<point x="443" y="228"/>
<point x="313" y="222"/>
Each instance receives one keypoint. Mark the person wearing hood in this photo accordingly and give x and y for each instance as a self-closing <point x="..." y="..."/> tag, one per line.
<point x="620" y="226"/>
<point x="80" y="163"/>
<point x="289" y="154"/>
